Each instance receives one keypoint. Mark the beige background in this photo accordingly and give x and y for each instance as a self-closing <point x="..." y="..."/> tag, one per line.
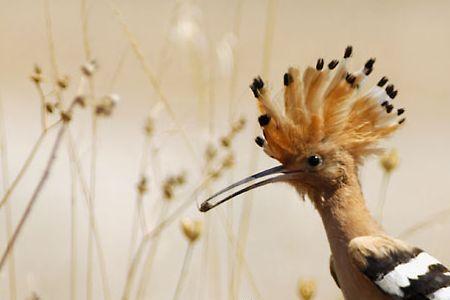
<point x="410" y="39"/>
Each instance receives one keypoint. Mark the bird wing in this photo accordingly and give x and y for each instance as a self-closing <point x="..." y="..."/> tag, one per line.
<point x="400" y="270"/>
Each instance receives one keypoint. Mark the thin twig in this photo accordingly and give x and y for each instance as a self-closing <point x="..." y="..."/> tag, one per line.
<point x="436" y="218"/>
<point x="155" y="232"/>
<point x="73" y="230"/>
<point x="26" y="164"/>
<point x="147" y="268"/>
<point x="52" y="49"/>
<point x="383" y="196"/>
<point x="92" y="220"/>
<point x="8" y="221"/>
<point x="43" y="106"/>
<point x="151" y="77"/>
<point x="245" y="216"/>
<point x="184" y="270"/>
<point x="37" y="190"/>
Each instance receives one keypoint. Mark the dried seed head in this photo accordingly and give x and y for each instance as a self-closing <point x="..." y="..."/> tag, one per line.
<point x="106" y="105"/>
<point x="89" y="68"/>
<point x="307" y="289"/>
<point x="192" y="229"/>
<point x="225" y="141"/>
<point x="49" y="107"/>
<point x="63" y="82"/>
<point x="210" y="152"/>
<point x="66" y="116"/>
<point x="389" y="161"/>
<point x="142" y="186"/>
<point x="37" y="69"/>
<point x="148" y="128"/>
<point x="228" y="161"/>
<point x="36" y="77"/>
<point x="238" y="125"/>
<point x="80" y="100"/>
<point x="171" y="183"/>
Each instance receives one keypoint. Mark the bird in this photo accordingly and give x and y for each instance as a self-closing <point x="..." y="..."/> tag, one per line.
<point x="322" y="132"/>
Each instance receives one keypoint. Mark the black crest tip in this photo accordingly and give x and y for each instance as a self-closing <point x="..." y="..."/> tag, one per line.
<point x="350" y="78"/>
<point x="333" y="64"/>
<point x="348" y="51"/>
<point x="256" y="86"/>
<point x="389" y="108"/>
<point x="263" y="120"/>
<point x="259" y="141"/>
<point x="369" y="63"/>
<point x="319" y="64"/>
<point x="382" y="81"/>
<point x="287" y="79"/>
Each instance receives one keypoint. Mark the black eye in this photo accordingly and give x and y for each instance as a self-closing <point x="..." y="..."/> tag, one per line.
<point x="314" y="160"/>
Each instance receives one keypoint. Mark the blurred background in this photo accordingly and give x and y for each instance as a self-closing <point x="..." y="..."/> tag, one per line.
<point x="180" y="71"/>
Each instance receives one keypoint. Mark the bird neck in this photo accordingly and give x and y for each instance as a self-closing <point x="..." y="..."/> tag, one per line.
<point x="344" y="213"/>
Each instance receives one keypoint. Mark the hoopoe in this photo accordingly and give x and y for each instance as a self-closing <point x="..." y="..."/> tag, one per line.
<point x="321" y="137"/>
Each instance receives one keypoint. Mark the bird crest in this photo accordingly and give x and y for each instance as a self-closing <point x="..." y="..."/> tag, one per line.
<point x="324" y="106"/>
<point x="324" y="113"/>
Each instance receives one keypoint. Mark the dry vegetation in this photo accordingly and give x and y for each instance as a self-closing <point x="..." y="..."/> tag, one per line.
<point x="161" y="199"/>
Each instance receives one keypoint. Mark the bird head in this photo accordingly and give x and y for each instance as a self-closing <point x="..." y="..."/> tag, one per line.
<point x="323" y="129"/>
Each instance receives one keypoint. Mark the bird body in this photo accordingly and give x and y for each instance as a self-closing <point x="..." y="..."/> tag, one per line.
<point x="321" y="137"/>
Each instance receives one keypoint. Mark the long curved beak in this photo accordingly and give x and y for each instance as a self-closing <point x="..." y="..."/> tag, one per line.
<point x="277" y="174"/>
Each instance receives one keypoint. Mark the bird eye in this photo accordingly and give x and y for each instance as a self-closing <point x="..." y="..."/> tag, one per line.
<point x="314" y="160"/>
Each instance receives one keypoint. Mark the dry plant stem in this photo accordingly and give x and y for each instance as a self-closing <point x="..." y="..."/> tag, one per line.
<point x="26" y="164"/>
<point x="89" y="274"/>
<point x="234" y="75"/>
<point x="36" y="192"/>
<point x="118" y="69"/>
<point x="434" y="219"/>
<point x="51" y="48"/>
<point x="73" y="232"/>
<point x="139" y="213"/>
<point x="184" y="270"/>
<point x="148" y="265"/>
<point x="88" y="57"/>
<point x="8" y="221"/>
<point x="151" y="77"/>
<point x="155" y="232"/>
<point x="245" y="217"/>
<point x="43" y="108"/>
<point x="240" y="257"/>
<point x="92" y="221"/>
<point x="383" y="196"/>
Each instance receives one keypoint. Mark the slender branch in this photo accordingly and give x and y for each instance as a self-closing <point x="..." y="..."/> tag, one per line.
<point x="151" y="77"/>
<point x="73" y="230"/>
<point x="37" y="190"/>
<point x="155" y="232"/>
<point x="43" y="107"/>
<point x="431" y="220"/>
<point x="26" y="164"/>
<point x="383" y="196"/>
<point x="92" y="221"/>
<point x="8" y="221"/>
<point x="146" y="272"/>
<point x="245" y="216"/>
<point x="184" y="270"/>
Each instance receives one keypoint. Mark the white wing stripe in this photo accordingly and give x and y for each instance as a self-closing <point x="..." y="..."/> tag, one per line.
<point x="441" y="294"/>
<point x="417" y="266"/>
<point x="393" y="281"/>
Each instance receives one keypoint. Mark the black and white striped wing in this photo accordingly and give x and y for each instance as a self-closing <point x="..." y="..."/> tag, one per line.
<point x="400" y="270"/>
